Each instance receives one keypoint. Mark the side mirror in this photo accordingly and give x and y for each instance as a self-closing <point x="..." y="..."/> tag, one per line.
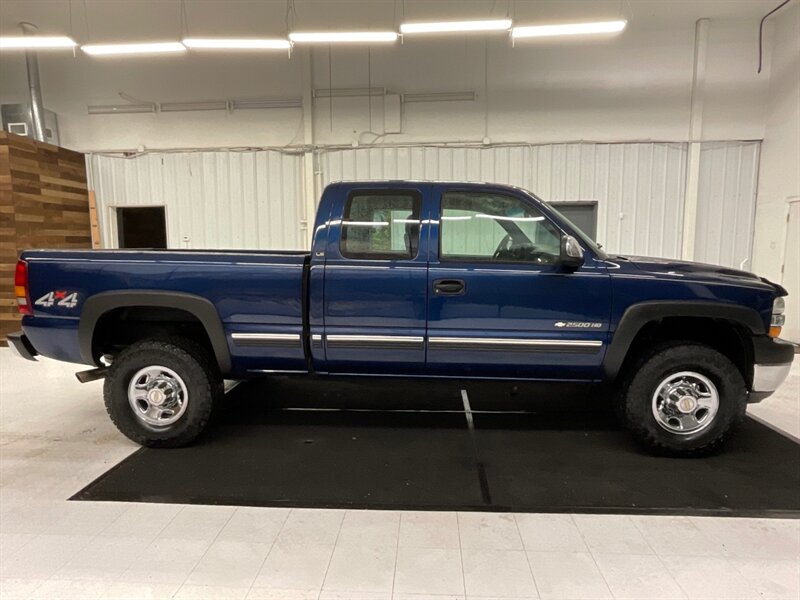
<point x="571" y="253"/>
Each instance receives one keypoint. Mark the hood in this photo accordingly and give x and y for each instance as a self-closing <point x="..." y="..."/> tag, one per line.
<point x="678" y="268"/>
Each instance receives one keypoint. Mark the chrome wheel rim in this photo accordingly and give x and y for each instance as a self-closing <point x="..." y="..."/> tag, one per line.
<point x="685" y="402"/>
<point x="158" y="396"/>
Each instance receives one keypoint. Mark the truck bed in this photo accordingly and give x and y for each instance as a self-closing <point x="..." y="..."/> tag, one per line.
<point x="253" y="292"/>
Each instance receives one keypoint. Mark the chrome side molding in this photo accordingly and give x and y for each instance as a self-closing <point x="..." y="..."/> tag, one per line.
<point x="266" y="339"/>
<point x="410" y="342"/>
<point x="513" y="344"/>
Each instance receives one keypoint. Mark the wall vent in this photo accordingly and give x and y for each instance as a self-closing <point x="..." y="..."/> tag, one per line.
<point x="16" y="118"/>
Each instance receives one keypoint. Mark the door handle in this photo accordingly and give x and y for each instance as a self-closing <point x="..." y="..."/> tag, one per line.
<point x="449" y="287"/>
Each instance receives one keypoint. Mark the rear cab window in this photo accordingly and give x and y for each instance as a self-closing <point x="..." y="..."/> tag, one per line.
<point x="381" y="225"/>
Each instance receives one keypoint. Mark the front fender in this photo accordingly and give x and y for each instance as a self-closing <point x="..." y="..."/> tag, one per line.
<point x="638" y="315"/>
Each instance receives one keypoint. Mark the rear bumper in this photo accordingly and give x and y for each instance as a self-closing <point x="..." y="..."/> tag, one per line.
<point x="21" y="345"/>
<point x="773" y="361"/>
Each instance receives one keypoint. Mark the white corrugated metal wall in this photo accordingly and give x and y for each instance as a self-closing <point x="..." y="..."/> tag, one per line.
<point x="246" y="200"/>
<point x="727" y="202"/>
<point x="255" y="199"/>
<point x="638" y="187"/>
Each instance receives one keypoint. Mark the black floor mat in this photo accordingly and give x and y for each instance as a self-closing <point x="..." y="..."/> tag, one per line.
<point x="406" y="445"/>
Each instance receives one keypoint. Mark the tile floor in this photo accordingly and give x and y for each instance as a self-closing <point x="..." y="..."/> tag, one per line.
<point x="55" y="438"/>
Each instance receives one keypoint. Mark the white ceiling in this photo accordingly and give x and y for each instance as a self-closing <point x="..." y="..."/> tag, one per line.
<point x="134" y="20"/>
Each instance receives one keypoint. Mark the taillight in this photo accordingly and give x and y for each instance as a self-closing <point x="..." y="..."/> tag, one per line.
<point x="21" y="288"/>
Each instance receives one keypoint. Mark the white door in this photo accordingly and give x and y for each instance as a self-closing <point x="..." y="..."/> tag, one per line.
<point x="790" y="278"/>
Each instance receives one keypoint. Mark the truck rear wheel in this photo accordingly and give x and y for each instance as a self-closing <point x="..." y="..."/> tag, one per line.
<point x="161" y="394"/>
<point x="683" y="399"/>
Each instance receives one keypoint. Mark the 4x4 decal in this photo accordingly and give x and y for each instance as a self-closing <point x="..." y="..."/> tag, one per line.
<point x="63" y="298"/>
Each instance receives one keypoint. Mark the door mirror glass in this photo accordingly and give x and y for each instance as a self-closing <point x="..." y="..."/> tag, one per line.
<point x="571" y="252"/>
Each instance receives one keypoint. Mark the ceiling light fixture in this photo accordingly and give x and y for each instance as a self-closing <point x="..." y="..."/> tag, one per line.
<point x="337" y="37"/>
<point x="439" y="97"/>
<point x="249" y="103"/>
<point x="456" y="26"/>
<point x="129" y="49"/>
<point x="121" y="109"/>
<point x="348" y="92"/>
<point x="192" y="106"/>
<point x="236" y="44"/>
<point x="532" y="31"/>
<point x="35" y="42"/>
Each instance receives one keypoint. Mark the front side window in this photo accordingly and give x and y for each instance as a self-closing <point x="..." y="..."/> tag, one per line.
<point x="380" y="225"/>
<point x="489" y="227"/>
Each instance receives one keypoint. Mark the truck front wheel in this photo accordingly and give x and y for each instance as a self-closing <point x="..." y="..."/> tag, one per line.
<point x="683" y="399"/>
<point x="161" y="394"/>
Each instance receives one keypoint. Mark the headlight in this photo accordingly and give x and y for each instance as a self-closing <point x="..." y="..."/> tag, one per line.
<point x="778" y="318"/>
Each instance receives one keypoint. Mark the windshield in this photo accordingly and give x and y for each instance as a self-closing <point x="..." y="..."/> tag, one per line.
<point x="595" y="247"/>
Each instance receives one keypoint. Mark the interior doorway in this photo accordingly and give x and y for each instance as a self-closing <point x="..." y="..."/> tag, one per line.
<point x="142" y="227"/>
<point x="582" y="214"/>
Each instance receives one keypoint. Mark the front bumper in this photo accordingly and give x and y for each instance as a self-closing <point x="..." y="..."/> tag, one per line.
<point x="767" y="378"/>
<point x="21" y="345"/>
<point x="773" y="361"/>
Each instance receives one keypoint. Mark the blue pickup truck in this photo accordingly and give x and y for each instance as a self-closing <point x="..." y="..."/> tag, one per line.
<point x="412" y="279"/>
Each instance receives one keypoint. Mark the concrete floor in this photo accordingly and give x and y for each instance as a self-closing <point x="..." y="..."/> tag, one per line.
<point x="55" y="438"/>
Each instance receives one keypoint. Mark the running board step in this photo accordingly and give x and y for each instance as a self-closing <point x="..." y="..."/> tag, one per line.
<point x="91" y="374"/>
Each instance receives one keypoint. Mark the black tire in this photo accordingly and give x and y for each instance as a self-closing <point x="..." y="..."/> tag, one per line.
<point x="194" y="367"/>
<point x="636" y="402"/>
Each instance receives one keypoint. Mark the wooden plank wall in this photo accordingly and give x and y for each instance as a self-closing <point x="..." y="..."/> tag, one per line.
<point x="44" y="203"/>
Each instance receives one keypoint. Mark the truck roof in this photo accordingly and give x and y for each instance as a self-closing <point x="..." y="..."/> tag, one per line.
<point x="460" y="183"/>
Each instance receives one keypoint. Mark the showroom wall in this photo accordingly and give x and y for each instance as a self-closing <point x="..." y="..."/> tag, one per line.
<point x="250" y="199"/>
<point x="779" y="177"/>
<point x="606" y="120"/>
<point x="635" y="86"/>
<point x="780" y="174"/>
<point x="639" y="189"/>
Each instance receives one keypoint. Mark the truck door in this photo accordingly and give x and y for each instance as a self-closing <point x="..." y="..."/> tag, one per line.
<point x="499" y="305"/>
<point x="375" y="290"/>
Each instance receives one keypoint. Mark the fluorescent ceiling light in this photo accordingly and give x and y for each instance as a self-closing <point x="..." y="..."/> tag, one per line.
<point x="335" y="37"/>
<point x="236" y="44"/>
<point x="455" y="26"/>
<point x="568" y="29"/>
<point x="36" y="42"/>
<point x="244" y="103"/>
<point x="122" y="49"/>
<point x="440" y="97"/>
<point x="119" y="109"/>
<point x="189" y="106"/>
